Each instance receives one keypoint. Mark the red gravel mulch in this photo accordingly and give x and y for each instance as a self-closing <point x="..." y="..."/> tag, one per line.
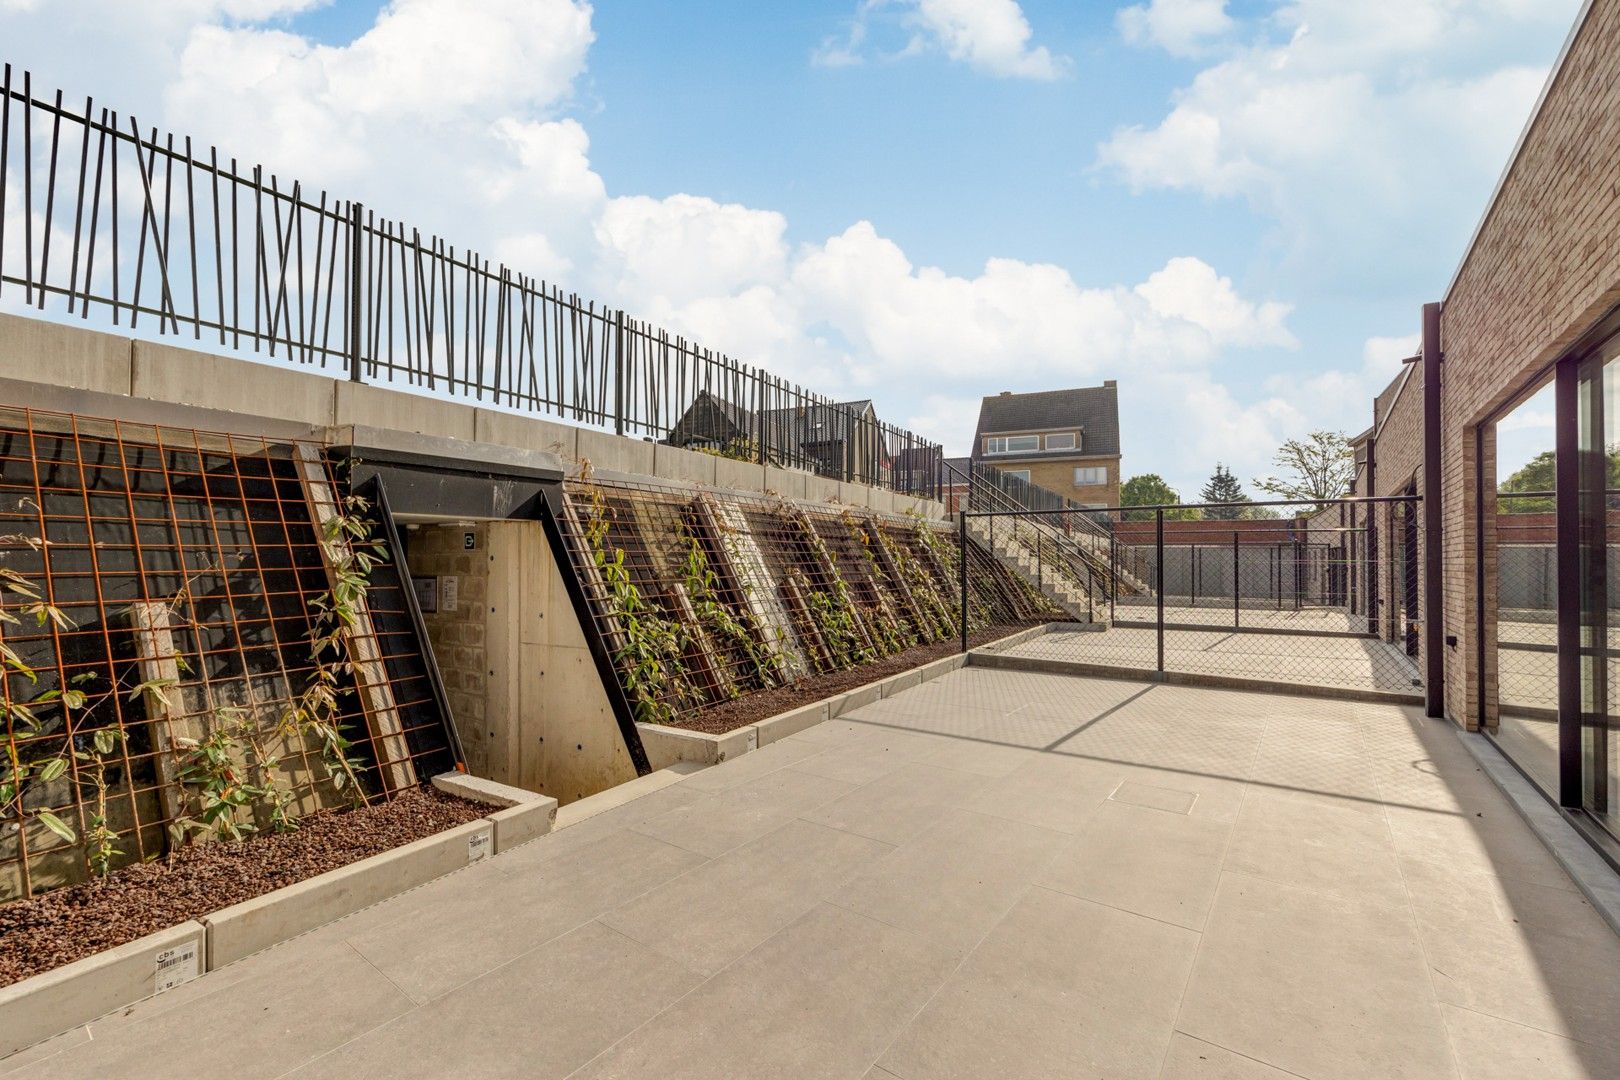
<point x="767" y="703"/>
<point x="68" y="924"/>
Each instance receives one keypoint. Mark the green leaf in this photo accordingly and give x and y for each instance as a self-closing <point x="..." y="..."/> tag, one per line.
<point x="53" y="769"/>
<point x="57" y="826"/>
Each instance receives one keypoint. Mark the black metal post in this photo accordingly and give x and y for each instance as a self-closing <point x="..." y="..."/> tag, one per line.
<point x="961" y="571"/>
<point x="618" y="373"/>
<point x="356" y="238"/>
<point x="1434" y="661"/>
<point x="1113" y="572"/>
<point x="1236" y="592"/>
<point x="1158" y="571"/>
<point x="1040" y="574"/>
<point x="1567" y="511"/>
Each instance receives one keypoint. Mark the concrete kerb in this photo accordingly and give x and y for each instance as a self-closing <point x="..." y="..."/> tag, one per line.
<point x="523" y="814"/>
<point x="59" y="1000"/>
<point x="668" y="745"/>
<point x="1045" y="666"/>
<point x="253" y="925"/>
<point x="55" y="1001"/>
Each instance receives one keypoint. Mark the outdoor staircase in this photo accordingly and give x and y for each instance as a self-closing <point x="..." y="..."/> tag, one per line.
<point x="1054" y="570"/>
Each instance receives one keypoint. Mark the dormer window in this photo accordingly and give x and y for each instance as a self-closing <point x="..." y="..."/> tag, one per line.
<point x="1011" y="444"/>
<point x="1065" y="441"/>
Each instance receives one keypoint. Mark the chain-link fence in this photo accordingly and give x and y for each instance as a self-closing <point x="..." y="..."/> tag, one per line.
<point x="1312" y="594"/>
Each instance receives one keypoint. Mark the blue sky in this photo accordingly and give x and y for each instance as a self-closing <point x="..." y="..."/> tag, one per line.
<point x="1234" y="209"/>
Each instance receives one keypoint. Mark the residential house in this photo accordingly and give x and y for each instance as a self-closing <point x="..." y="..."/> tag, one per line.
<point x="1065" y="441"/>
<point x="841" y="439"/>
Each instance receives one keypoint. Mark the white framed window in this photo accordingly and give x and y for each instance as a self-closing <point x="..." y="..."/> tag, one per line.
<point x="1011" y="444"/>
<point x="1064" y="441"/>
<point x="1021" y="474"/>
<point x="1091" y="476"/>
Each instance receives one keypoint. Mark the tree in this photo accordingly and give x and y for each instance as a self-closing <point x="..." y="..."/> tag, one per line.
<point x="1537" y="474"/>
<point x="1223" y="487"/>
<point x="1150" y="489"/>
<point x="1319" y="467"/>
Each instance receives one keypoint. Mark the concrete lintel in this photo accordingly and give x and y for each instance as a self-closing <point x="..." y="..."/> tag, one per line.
<point x="246" y="928"/>
<point x="445" y="452"/>
<point x="60" y="999"/>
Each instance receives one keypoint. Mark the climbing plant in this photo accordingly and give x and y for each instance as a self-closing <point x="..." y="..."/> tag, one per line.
<point x="650" y="657"/>
<point x="764" y="662"/>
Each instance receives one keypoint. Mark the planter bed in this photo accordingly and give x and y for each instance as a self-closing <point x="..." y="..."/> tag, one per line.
<point x="765" y="704"/>
<point x="69" y="924"/>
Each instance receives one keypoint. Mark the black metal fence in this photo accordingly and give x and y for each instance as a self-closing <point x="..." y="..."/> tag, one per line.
<point x="150" y="232"/>
<point x="1323" y="594"/>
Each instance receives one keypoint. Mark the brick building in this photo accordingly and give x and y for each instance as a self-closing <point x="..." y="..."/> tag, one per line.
<point x="1062" y="441"/>
<point x="1526" y="346"/>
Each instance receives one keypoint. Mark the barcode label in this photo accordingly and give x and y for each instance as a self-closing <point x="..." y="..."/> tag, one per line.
<point x="175" y="966"/>
<point x="477" y="846"/>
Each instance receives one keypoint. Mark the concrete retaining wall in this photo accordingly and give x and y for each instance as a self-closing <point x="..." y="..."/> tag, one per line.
<point x="68" y="366"/>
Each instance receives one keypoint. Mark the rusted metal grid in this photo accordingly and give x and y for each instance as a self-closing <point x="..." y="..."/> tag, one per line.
<point x="703" y="597"/>
<point x="165" y="585"/>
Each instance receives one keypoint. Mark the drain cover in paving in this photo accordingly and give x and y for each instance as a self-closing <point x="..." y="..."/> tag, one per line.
<point x="1157" y="798"/>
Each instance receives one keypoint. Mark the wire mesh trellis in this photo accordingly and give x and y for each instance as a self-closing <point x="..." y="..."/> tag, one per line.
<point x="1328" y="598"/>
<point x="164" y="589"/>
<point x="102" y="215"/>
<point x="704" y="597"/>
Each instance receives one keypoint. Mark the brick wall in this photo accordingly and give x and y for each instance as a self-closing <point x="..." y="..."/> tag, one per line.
<point x="1058" y="478"/>
<point x="1543" y="269"/>
<point x="439" y="551"/>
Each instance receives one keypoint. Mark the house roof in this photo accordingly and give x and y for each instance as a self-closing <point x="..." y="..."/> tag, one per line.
<point x="1092" y="409"/>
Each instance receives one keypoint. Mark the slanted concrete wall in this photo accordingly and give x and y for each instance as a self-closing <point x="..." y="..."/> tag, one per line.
<point x="549" y="724"/>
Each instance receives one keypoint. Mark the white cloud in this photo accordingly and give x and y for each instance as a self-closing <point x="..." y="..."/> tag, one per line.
<point x="497" y="165"/>
<point x="1180" y="27"/>
<point x="990" y="36"/>
<point x="1357" y="128"/>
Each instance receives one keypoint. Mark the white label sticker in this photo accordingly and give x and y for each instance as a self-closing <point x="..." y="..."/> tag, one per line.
<point x="478" y="846"/>
<point x="175" y="966"/>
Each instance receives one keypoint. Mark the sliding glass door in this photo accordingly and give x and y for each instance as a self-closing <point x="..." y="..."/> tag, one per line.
<point x="1597" y="525"/>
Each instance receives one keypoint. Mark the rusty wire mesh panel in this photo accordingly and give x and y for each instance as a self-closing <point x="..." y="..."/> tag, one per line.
<point x="703" y="597"/>
<point x="163" y="588"/>
<point x="1323" y="597"/>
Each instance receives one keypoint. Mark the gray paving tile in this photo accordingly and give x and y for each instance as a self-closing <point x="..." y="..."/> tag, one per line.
<point x="543" y="1015"/>
<point x="1051" y="791"/>
<point x="1490" y="1048"/>
<point x="1315" y="982"/>
<point x="1061" y="988"/>
<point x="750" y="766"/>
<point x="897" y="807"/>
<point x="1194" y="1059"/>
<point x="275" y="1018"/>
<point x="955" y="881"/>
<point x="434" y="949"/>
<point x="1316" y="844"/>
<point x="822" y="998"/>
<point x="731" y="904"/>
<point x="1161" y="865"/>
<point x="714" y="825"/>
